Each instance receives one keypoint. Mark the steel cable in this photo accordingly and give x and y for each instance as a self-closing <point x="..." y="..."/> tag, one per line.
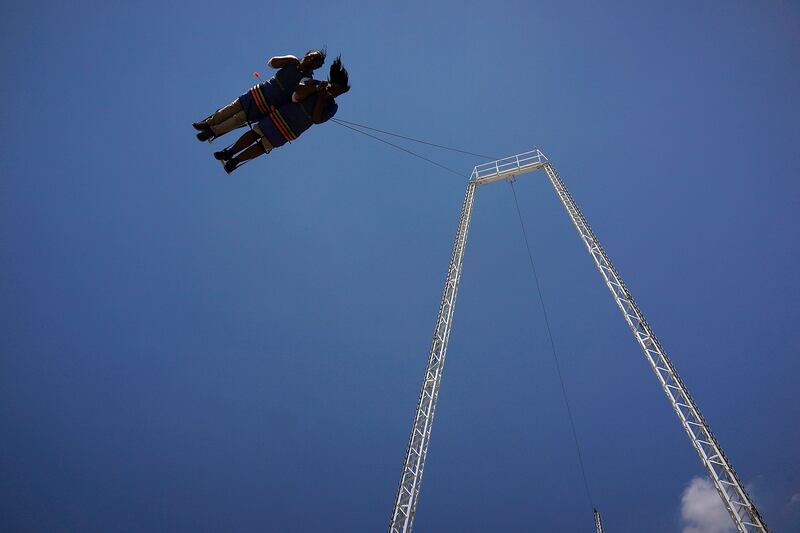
<point x="553" y="349"/>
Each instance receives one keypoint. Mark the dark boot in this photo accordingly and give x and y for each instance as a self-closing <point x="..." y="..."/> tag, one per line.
<point x="230" y="166"/>
<point x="200" y="126"/>
<point x="223" y="155"/>
<point x="205" y="135"/>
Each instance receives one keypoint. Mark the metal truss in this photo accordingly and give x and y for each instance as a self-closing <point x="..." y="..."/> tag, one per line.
<point x="734" y="496"/>
<point x="598" y="523"/>
<point x="411" y="477"/>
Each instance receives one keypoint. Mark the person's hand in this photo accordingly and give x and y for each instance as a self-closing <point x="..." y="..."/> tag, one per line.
<point x="324" y="90"/>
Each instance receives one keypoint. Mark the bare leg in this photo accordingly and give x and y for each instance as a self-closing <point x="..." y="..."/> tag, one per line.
<point x="248" y="138"/>
<point x="246" y="155"/>
<point x="251" y="153"/>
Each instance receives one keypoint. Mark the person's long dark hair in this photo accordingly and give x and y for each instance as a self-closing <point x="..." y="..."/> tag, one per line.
<point x="338" y="74"/>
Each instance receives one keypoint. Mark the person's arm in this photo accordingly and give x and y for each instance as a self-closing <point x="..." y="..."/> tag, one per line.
<point x="282" y="61"/>
<point x="306" y="89"/>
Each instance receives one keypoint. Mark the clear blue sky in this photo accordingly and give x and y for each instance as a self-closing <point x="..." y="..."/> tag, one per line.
<point x="185" y="351"/>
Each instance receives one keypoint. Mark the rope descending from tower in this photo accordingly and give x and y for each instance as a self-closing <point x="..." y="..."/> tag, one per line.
<point x="553" y="349"/>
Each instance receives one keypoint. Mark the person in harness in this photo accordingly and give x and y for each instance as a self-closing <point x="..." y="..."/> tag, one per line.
<point x="258" y="102"/>
<point x="313" y="102"/>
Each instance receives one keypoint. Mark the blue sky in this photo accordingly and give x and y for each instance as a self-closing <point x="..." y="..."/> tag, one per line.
<point x="181" y="350"/>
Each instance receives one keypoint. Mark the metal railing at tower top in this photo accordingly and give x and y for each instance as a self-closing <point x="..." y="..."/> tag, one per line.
<point x="508" y="167"/>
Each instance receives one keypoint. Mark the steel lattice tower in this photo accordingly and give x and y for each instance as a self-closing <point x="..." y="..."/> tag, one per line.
<point x="598" y="523"/>
<point x="741" y="508"/>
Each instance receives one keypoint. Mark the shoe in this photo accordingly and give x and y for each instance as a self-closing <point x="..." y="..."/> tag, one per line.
<point x="205" y="135"/>
<point x="200" y="126"/>
<point x="223" y="155"/>
<point x="229" y="166"/>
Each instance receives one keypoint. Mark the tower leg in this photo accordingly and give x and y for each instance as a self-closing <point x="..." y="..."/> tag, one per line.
<point x="411" y="477"/>
<point x="598" y="523"/>
<point x="738" y="503"/>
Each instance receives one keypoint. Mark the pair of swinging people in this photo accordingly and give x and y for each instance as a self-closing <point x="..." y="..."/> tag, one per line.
<point x="278" y="110"/>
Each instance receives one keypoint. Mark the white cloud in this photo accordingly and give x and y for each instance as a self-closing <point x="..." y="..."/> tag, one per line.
<point x="702" y="510"/>
<point x="795" y="499"/>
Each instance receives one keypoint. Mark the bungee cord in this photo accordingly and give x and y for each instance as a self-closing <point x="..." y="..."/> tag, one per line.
<point x="431" y="161"/>
<point x="413" y="139"/>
